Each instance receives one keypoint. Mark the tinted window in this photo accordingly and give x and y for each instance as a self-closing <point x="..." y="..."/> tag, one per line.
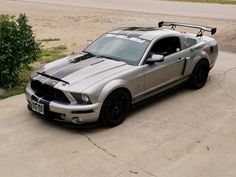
<point x="166" y="46"/>
<point x="191" y="42"/>
<point x="119" y="47"/>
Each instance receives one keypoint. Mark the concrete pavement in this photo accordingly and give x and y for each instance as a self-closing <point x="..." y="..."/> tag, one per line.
<point x="185" y="133"/>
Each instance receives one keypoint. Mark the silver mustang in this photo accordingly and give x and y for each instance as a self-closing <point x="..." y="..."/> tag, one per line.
<point x="121" y="67"/>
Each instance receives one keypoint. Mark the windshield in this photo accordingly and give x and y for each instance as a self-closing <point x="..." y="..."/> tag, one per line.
<point x="119" y="47"/>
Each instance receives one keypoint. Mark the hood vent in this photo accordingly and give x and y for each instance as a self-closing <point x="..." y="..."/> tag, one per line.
<point x="82" y="57"/>
<point x="97" y="62"/>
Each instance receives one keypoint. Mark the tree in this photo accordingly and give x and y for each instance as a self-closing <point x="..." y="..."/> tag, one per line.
<point x="18" y="47"/>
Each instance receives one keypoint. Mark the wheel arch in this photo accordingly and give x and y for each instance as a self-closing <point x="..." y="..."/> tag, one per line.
<point x="195" y="61"/>
<point x="197" y="81"/>
<point x="113" y="86"/>
<point x="202" y="59"/>
<point x="103" y="118"/>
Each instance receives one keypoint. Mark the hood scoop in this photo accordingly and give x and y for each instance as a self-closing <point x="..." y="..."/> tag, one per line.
<point x="83" y="56"/>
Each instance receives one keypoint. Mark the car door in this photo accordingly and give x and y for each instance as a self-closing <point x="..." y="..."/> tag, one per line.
<point x="170" y="70"/>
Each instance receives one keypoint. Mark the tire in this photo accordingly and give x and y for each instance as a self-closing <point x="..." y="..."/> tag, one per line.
<point x="115" y="108"/>
<point x="199" y="75"/>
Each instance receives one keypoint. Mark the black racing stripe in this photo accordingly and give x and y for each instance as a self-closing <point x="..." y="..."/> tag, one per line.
<point x="44" y="102"/>
<point x="51" y="82"/>
<point x="136" y="34"/>
<point x="72" y="60"/>
<point x="77" y="66"/>
<point x="67" y="71"/>
<point x="57" y="67"/>
<point x="134" y="31"/>
<point x="41" y="78"/>
<point x="52" y="77"/>
<point x="40" y="100"/>
<point x="130" y="33"/>
<point x="35" y="98"/>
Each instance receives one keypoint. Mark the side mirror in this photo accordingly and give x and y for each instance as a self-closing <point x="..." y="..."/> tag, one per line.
<point x="155" y="58"/>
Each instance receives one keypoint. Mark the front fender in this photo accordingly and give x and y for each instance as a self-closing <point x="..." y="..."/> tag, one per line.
<point x="110" y="87"/>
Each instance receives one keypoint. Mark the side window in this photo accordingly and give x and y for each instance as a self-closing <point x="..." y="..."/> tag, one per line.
<point x="191" y="42"/>
<point x="188" y="42"/>
<point x="166" y="46"/>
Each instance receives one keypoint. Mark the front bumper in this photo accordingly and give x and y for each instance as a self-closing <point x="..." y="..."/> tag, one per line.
<point x="70" y="113"/>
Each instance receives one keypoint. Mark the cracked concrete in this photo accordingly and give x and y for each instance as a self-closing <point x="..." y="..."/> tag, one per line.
<point x="114" y="156"/>
<point x="184" y="133"/>
<point x="99" y="147"/>
<point x="227" y="93"/>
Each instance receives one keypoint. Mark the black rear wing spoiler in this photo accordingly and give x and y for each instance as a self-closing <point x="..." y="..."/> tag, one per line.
<point x="200" y="27"/>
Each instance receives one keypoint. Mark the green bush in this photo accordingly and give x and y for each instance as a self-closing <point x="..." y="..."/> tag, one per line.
<point x="18" y="47"/>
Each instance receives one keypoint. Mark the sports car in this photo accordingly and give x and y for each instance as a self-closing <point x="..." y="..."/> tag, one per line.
<point x="120" y="68"/>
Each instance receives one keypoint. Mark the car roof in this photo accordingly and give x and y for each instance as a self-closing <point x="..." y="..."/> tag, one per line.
<point x="147" y="33"/>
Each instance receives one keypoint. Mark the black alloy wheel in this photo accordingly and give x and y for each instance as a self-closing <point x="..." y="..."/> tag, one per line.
<point x="115" y="108"/>
<point x="199" y="75"/>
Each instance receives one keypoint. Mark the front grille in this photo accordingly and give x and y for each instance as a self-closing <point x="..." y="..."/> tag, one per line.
<point x="47" y="92"/>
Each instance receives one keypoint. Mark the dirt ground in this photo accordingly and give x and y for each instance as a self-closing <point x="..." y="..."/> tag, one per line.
<point x="79" y="24"/>
<point x="184" y="133"/>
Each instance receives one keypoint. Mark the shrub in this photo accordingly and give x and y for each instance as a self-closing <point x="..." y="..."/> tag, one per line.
<point x="18" y="47"/>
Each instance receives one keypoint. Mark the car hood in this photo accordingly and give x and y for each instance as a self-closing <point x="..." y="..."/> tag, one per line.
<point x="80" y="75"/>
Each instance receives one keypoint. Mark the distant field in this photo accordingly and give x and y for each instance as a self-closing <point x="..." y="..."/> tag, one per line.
<point x="210" y="1"/>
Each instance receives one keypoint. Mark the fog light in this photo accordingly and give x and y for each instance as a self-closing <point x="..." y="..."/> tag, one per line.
<point x="63" y="116"/>
<point x="76" y="120"/>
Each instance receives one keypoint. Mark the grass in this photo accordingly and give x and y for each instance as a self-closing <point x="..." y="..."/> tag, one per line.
<point x="210" y="1"/>
<point x="47" y="55"/>
<point x="50" y="54"/>
<point x="49" y="40"/>
<point x="20" y="84"/>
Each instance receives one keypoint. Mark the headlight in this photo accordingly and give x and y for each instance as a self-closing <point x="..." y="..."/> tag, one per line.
<point x="85" y="98"/>
<point x="81" y="98"/>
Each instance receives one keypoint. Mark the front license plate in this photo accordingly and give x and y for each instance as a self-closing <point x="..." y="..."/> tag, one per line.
<point x="38" y="107"/>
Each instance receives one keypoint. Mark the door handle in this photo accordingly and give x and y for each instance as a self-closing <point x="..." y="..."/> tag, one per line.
<point x="179" y="59"/>
<point x="187" y="58"/>
<point x="183" y="58"/>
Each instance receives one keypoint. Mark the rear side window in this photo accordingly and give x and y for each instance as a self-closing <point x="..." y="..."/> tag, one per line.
<point x="190" y="42"/>
<point x="166" y="46"/>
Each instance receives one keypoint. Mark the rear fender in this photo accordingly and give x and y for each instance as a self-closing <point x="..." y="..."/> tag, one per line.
<point x="192" y="62"/>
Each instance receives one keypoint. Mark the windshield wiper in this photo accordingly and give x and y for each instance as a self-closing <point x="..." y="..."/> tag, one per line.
<point x="98" y="56"/>
<point x="108" y="57"/>
<point x="89" y="53"/>
<point x="103" y="56"/>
